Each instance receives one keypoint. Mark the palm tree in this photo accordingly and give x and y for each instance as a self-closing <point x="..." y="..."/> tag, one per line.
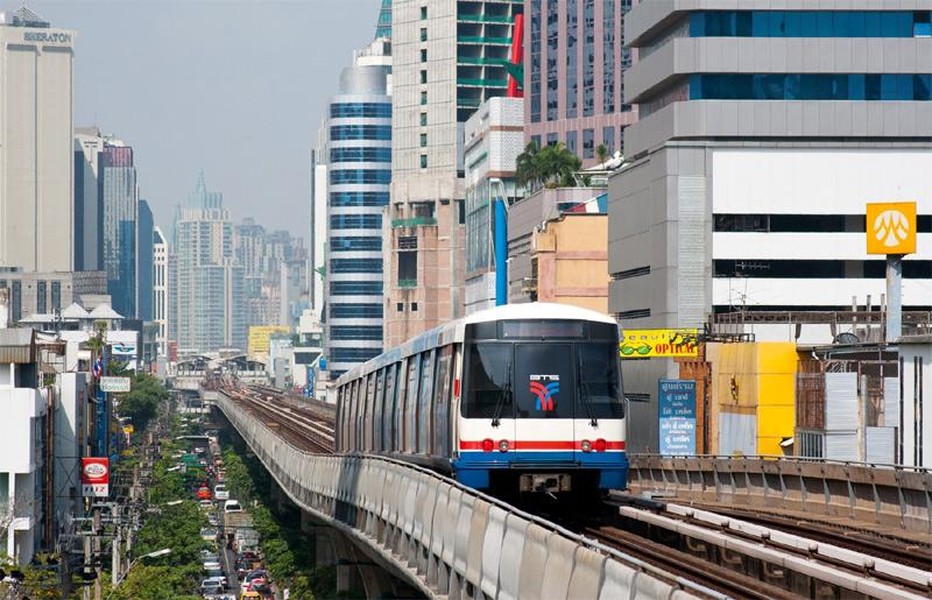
<point x="527" y="172"/>
<point x="601" y="151"/>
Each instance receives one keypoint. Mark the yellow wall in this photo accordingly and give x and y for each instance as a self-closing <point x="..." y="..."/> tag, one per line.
<point x="764" y="376"/>
<point x="259" y="335"/>
<point x="572" y="261"/>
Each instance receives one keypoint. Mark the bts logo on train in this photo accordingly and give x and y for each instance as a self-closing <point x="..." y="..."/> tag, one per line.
<point x="545" y="387"/>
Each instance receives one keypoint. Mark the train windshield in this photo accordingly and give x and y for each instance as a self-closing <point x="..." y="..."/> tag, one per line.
<point x="534" y="380"/>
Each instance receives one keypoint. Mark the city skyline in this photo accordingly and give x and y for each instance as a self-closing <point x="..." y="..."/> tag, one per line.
<point x="215" y="114"/>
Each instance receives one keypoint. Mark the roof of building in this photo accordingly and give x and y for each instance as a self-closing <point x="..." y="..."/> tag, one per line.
<point x="104" y="311"/>
<point x="74" y="311"/>
<point x="17" y="346"/>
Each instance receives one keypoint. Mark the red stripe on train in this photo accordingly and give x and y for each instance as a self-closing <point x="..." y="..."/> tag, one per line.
<point x="539" y="445"/>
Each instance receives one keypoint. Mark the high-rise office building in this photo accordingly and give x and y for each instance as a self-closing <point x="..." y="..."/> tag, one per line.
<point x="317" y="247"/>
<point x="145" y="241"/>
<point x="207" y="301"/>
<point x="762" y="136"/>
<point x="575" y="56"/>
<point x="358" y="155"/>
<point x="448" y="57"/>
<point x="160" y="287"/>
<point x="88" y="209"/>
<point x="383" y="28"/>
<point x="117" y="188"/>
<point x="37" y="158"/>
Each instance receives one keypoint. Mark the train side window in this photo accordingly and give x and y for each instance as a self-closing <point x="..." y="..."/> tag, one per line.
<point x="353" y="415"/>
<point x="370" y="409"/>
<point x="339" y="422"/>
<point x="378" y="411"/>
<point x="400" y="408"/>
<point x="441" y="405"/>
<point x="411" y="404"/>
<point x="388" y="408"/>
<point x="423" y="409"/>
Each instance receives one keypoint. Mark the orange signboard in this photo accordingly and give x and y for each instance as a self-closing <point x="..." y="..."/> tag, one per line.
<point x="891" y="227"/>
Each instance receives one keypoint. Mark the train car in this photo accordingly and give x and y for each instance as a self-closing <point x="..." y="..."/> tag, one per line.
<point x="521" y="398"/>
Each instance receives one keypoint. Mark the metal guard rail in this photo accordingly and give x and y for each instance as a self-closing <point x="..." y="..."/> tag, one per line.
<point x="448" y="540"/>
<point x="887" y="495"/>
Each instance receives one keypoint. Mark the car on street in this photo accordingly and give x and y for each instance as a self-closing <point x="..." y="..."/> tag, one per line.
<point x="221" y="492"/>
<point x="231" y="506"/>
<point x="203" y="493"/>
<point x="209" y="534"/>
<point x="209" y="556"/>
<point x="206" y="505"/>
<point x="210" y="586"/>
<point x="213" y="520"/>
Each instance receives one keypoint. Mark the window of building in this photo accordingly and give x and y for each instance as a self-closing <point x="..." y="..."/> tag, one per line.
<point x="588" y="84"/>
<point x="423" y="140"/>
<point x="361" y="132"/>
<point x="378" y="110"/>
<point x="355" y="244"/>
<point x="423" y="34"/>
<point x="356" y="311"/>
<point x="423" y="12"/>
<point x="572" y="73"/>
<point x="571" y="141"/>
<point x="356" y="265"/>
<point x="355" y="332"/>
<point x="400" y="306"/>
<point x="553" y="47"/>
<point x="535" y="139"/>
<point x="810" y="23"/>
<point x="423" y="118"/>
<point x="356" y="288"/>
<point x="423" y="97"/>
<point x="355" y="221"/>
<point x="16" y="301"/>
<point x="535" y="53"/>
<point x="414" y="307"/>
<point x="608" y="58"/>
<point x="423" y="75"/>
<point x="41" y="296"/>
<point x="423" y="209"/>
<point x="552" y="139"/>
<point x="347" y="199"/>
<point x="588" y="143"/>
<point x="346" y="176"/>
<point x="423" y="161"/>
<point x="56" y="295"/>
<point x="811" y="86"/>
<point x="423" y="55"/>
<point x="365" y="154"/>
<point x="608" y="139"/>
<point x="407" y="269"/>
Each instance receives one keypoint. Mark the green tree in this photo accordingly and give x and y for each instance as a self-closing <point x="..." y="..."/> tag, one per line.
<point x="601" y="151"/>
<point x="141" y="404"/>
<point x="552" y="166"/>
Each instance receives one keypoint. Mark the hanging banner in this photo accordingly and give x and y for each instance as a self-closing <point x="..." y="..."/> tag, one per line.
<point x="95" y="477"/>
<point x="676" y="402"/>
<point x="659" y="343"/>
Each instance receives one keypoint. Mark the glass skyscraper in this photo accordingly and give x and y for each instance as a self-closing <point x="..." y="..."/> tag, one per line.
<point x="117" y="190"/>
<point x="359" y="154"/>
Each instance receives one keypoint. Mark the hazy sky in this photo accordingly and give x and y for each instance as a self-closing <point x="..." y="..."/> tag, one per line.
<point x="237" y="88"/>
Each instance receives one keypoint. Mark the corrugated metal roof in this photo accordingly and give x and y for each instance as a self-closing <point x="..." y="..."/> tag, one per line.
<point x="17" y="346"/>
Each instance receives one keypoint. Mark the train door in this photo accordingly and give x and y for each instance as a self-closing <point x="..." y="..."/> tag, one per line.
<point x="545" y="398"/>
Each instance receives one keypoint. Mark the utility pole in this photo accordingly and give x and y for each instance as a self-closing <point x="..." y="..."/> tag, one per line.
<point x="115" y="564"/>
<point x="98" y="586"/>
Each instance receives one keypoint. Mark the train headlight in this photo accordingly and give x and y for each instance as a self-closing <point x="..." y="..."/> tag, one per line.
<point x="488" y="445"/>
<point x="600" y="445"/>
<point x="503" y="445"/>
<point x="586" y="446"/>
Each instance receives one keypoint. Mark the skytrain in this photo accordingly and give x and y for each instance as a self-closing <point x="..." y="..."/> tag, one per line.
<point x="522" y="398"/>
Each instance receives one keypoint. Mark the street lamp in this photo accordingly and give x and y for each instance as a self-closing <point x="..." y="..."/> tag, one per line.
<point x="154" y="554"/>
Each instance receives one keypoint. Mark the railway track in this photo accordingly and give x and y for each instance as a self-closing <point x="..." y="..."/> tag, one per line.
<point x="774" y="554"/>
<point x="300" y="427"/>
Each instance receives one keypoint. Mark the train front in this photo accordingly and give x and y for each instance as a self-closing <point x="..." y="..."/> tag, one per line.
<point x="542" y="408"/>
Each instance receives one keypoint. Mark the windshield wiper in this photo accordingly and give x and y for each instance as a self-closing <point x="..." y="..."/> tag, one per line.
<point x="500" y="406"/>
<point x="582" y="390"/>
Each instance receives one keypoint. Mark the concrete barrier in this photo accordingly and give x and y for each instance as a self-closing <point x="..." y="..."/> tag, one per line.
<point x="446" y="540"/>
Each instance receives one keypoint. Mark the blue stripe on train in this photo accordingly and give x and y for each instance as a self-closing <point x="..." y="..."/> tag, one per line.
<point x="472" y="468"/>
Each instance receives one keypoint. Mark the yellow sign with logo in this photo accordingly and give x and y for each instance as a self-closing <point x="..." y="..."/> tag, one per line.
<point x="891" y="227"/>
<point x="259" y="335"/>
<point x="659" y="343"/>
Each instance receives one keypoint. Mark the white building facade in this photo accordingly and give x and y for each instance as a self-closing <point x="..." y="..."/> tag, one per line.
<point x="36" y="137"/>
<point x="160" y="289"/>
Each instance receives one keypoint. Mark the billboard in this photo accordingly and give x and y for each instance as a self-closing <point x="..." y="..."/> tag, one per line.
<point x="891" y="227"/>
<point x="677" y="411"/>
<point x="118" y="385"/>
<point x="95" y="477"/>
<point x="259" y="335"/>
<point x="659" y="343"/>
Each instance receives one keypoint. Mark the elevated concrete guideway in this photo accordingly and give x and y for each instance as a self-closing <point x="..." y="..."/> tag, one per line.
<point x="446" y="540"/>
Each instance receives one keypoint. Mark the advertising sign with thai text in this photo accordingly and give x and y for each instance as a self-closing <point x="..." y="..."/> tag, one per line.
<point x="95" y="477"/>
<point x="677" y="412"/>
<point x="659" y="343"/>
<point x="118" y="385"/>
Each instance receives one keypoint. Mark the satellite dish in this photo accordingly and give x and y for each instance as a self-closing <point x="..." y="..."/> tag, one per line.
<point x="846" y="338"/>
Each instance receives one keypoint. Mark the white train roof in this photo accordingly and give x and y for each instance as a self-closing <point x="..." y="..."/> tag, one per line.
<point x="538" y="310"/>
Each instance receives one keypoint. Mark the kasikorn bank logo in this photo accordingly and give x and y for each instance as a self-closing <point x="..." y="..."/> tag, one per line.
<point x="891" y="228"/>
<point x="545" y="387"/>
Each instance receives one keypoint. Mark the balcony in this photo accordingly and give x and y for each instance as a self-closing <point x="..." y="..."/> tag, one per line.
<point x="407" y="283"/>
